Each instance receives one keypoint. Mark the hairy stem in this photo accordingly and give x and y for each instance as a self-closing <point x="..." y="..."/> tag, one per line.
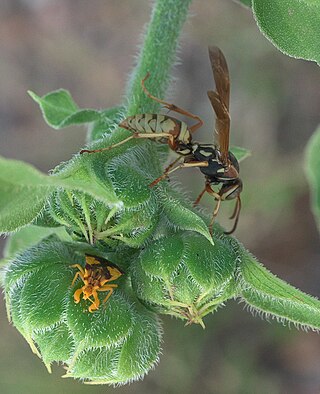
<point x="157" y="54"/>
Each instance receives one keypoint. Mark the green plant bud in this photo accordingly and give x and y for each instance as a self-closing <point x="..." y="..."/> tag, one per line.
<point x="89" y="220"/>
<point x="184" y="275"/>
<point x="109" y="119"/>
<point x="131" y="173"/>
<point x="114" y="342"/>
<point x="132" y="226"/>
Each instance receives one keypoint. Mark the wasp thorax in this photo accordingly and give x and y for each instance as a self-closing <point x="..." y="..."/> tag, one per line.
<point x="184" y="149"/>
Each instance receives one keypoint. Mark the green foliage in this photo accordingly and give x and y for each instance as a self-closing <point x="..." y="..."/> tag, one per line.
<point x="274" y="298"/>
<point x="240" y="153"/>
<point x="180" y="215"/>
<point x="312" y="167"/>
<point x="29" y="236"/>
<point x="293" y="26"/>
<point x="191" y="277"/>
<point x="24" y="191"/>
<point x="102" y="205"/>
<point x="117" y="343"/>
<point x="59" y="110"/>
<point x="109" y="119"/>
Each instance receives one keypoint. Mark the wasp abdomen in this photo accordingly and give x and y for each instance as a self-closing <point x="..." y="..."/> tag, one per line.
<point x="149" y="123"/>
<point x="157" y="123"/>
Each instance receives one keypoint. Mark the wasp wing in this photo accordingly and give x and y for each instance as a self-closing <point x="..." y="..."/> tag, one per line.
<point x="220" y="100"/>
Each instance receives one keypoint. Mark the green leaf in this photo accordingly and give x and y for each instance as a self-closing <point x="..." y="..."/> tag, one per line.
<point x="210" y="266"/>
<point x="29" y="236"/>
<point x="120" y="361"/>
<point x="109" y="119"/>
<point x="40" y="305"/>
<point x="273" y="297"/>
<point x="184" y="275"/>
<point x="141" y="351"/>
<point x="24" y="191"/>
<point x="240" y="153"/>
<point x="167" y="253"/>
<point x="54" y="344"/>
<point x="293" y="26"/>
<point x="59" y="110"/>
<point x="108" y="326"/>
<point x="129" y="182"/>
<point x="182" y="217"/>
<point x="87" y="173"/>
<point x="41" y="269"/>
<point x="312" y="168"/>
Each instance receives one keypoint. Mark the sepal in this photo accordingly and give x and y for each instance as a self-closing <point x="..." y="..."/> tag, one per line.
<point x="184" y="275"/>
<point x="117" y="343"/>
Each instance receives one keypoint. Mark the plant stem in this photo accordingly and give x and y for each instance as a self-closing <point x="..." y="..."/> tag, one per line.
<point x="157" y="54"/>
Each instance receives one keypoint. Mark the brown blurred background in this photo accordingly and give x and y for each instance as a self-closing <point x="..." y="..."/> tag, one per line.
<point x="88" y="47"/>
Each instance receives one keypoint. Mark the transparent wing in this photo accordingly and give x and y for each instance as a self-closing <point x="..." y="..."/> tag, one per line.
<point x="220" y="100"/>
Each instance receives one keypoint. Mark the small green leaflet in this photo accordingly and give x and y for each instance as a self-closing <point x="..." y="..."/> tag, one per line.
<point x="240" y="153"/>
<point x="59" y="110"/>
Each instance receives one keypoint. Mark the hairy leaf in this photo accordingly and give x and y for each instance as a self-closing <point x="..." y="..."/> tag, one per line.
<point x="59" y="110"/>
<point x="24" y="191"/>
<point x="29" y="236"/>
<point x="293" y="26"/>
<point x="181" y="216"/>
<point x="109" y="119"/>
<point x="271" y="296"/>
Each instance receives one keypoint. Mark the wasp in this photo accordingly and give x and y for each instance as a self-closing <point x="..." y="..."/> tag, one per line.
<point x="215" y="161"/>
<point x="223" y="167"/>
<point x="96" y="275"/>
<point x="161" y="128"/>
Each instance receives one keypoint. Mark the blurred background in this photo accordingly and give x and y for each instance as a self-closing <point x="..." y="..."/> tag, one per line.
<point x="89" y="48"/>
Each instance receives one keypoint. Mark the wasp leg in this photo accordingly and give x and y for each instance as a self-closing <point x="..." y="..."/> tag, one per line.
<point x="172" y="165"/>
<point x="165" y="173"/>
<point x="110" y="290"/>
<point x="95" y="303"/>
<point x="77" y="295"/>
<point x="173" y="107"/>
<point x="236" y="215"/>
<point x="134" y="135"/>
<point x="199" y="197"/>
<point x="80" y="268"/>
<point x="79" y="273"/>
<point x="216" y="208"/>
<point x="182" y="165"/>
